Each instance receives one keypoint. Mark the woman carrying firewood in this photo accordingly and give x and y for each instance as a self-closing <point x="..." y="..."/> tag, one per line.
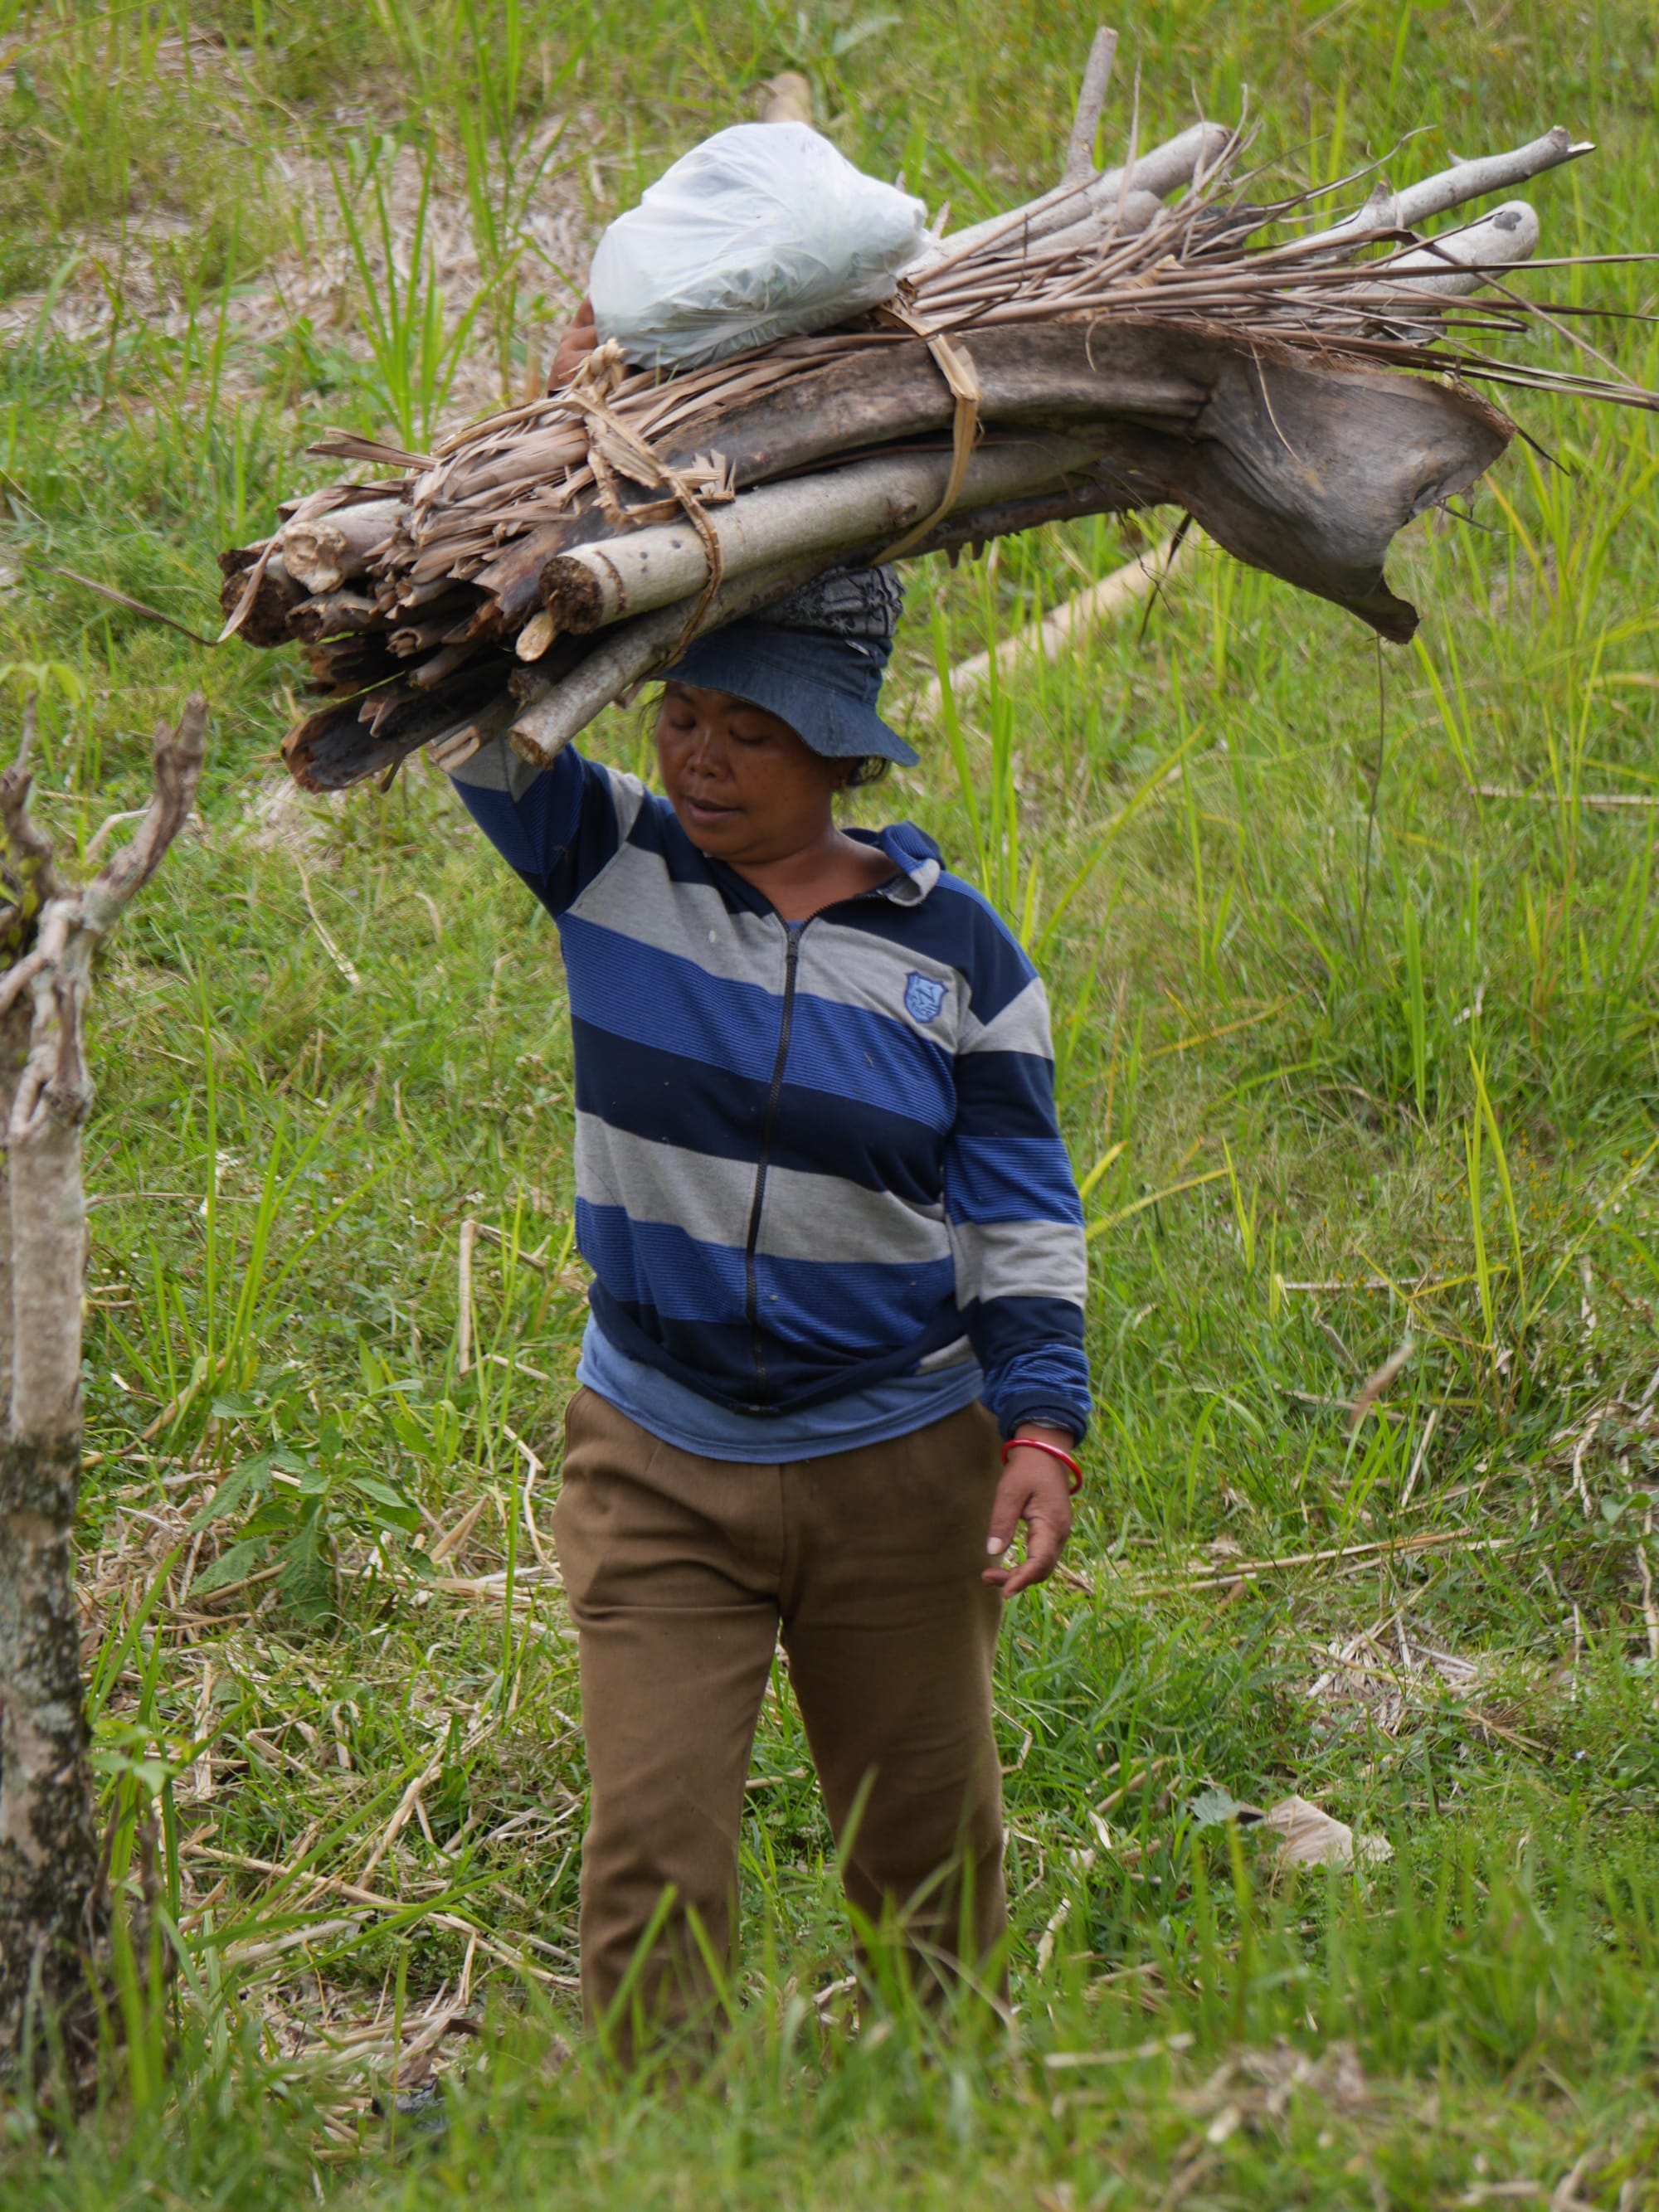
<point x="834" y="1354"/>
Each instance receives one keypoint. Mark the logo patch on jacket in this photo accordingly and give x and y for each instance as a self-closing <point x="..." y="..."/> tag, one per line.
<point x="922" y="998"/>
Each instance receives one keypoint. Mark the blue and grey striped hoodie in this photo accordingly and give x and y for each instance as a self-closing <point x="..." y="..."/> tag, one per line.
<point x="810" y="1156"/>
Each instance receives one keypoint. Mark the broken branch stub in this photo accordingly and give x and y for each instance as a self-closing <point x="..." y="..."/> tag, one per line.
<point x="49" y="1907"/>
<point x="1097" y="75"/>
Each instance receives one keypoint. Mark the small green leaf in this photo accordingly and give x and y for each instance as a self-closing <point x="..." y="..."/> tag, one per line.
<point x="230" y="1566"/>
<point x="248" y="1479"/>
<point x="381" y="1493"/>
<point x="1210" y="1809"/>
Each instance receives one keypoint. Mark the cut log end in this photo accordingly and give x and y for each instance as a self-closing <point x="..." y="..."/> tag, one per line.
<point x="266" y="623"/>
<point x="573" y="596"/>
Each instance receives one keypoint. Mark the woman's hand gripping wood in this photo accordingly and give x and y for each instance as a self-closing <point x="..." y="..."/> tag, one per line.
<point x="578" y="340"/>
<point x="1033" y="1490"/>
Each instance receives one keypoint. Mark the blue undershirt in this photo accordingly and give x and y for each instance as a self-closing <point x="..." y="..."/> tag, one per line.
<point x="693" y="1422"/>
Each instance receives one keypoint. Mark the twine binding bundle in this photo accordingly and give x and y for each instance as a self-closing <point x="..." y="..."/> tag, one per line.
<point x="1097" y="351"/>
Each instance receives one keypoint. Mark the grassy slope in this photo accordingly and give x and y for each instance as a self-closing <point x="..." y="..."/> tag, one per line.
<point x="1406" y="1034"/>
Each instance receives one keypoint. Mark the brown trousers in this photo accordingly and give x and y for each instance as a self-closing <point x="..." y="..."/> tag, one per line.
<point x="681" y="1573"/>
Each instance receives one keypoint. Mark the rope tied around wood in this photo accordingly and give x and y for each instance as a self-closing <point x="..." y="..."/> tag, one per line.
<point x="614" y="449"/>
<point x="957" y="370"/>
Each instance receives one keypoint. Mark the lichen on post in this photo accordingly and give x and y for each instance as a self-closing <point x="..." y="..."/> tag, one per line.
<point x="49" y="1907"/>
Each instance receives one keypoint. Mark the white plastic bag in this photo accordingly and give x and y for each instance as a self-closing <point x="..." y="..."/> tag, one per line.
<point x="762" y="232"/>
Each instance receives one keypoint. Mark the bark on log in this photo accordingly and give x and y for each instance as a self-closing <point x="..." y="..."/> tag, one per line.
<point x="1079" y="165"/>
<point x="868" y="503"/>
<point x="48" y="1853"/>
<point x="275" y="597"/>
<point x="1459" y="262"/>
<point x="339" y="614"/>
<point x="333" y="748"/>
<point x="1160" y="172"/>
<point x="349" y="665"/>
<point x="1452" y="188"/>
<point x="326" y="552"/>
<point x="633" y="652"/>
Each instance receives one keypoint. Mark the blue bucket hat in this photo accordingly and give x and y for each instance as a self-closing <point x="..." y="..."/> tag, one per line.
<point x="815" y="659"/>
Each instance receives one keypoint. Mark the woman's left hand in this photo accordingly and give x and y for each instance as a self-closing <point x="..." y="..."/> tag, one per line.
<point x="1034" y="1489"/>
<point x="578" y="341"/>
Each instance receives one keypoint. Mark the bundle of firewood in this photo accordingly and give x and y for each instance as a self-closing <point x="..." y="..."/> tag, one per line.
<point x="1099" y="349"/>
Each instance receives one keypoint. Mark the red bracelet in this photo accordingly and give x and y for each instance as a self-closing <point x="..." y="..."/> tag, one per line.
<point x="1040" y="1444"/>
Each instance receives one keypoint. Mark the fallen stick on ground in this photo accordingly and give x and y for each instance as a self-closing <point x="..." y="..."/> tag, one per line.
<point x="1604" y="798"/>
<point x="1243" y="1570"/>
<point x="1073" y="620"/>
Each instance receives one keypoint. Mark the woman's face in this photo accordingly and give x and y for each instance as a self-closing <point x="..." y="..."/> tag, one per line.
<point x="745" y="787"/>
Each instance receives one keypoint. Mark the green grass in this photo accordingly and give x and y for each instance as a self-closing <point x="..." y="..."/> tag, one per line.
<point x="1325" y="1017"/>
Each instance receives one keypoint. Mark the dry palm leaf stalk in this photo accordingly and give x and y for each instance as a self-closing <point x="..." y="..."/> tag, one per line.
<point x="1097" y="351"/>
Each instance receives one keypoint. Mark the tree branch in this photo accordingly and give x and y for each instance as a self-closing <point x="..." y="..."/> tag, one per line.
<point x="28" y="848"/>
<point x="176" y="759"/>
<point x="1097" y="75"/>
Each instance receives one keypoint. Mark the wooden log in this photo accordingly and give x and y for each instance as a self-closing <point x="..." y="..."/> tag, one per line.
<point x="338" y="614"/>
<point x="631" y="653"/>
<point x="398" y="595"/>
<point x="437" y="622"/>
<point x="1079" y="165"/>
<point x="1025" y="377"/>
<point x="1304" y="470"/>
<point x="1032" y="377"/>
<point x="1135" y="212"/>
<point x="1201" y="147"/>
<point x="266" y="623"/>
<point x="442" y="665"/>
<point x="349" y="665"/>
<point x="870" y="502"/>
<point x="1451" y="188"/>
<point x="333" y="748"/>
<point x="452" y="749"/>
<point x="331" y="549"/>
<point x="1100" y="491"/>
<point x="512" y="582"/>
<point x="1308" y="471"/>
<point x="1457" y="262"/>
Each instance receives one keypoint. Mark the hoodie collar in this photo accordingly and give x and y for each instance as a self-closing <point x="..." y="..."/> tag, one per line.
<point x="912" y="853"/>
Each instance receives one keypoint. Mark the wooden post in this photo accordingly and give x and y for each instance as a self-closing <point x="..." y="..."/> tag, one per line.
<point x="49" y="1905"/>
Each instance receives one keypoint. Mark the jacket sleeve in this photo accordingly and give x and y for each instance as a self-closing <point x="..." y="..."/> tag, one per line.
<point x="557" y="827"/>
<point x="1012" y="1203"/>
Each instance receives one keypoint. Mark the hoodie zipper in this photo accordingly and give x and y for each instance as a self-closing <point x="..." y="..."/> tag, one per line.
<point x="751" y="1284"/>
